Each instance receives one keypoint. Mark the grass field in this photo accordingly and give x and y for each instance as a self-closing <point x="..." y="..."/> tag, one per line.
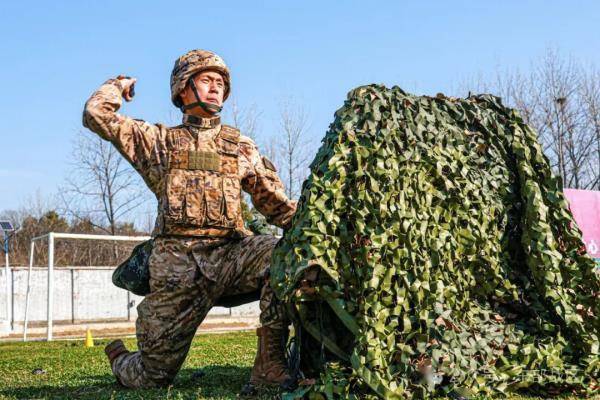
<point x="76" y="372"/>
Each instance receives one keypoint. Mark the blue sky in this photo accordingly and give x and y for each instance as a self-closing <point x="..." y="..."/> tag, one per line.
<point x="54" y="54"/>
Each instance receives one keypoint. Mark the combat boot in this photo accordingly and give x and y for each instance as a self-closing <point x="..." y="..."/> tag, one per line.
<point x="269" y="365"/>
<point x="114" y="349"/>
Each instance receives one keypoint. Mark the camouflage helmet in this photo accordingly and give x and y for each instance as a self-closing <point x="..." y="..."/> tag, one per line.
<point x="190" y="64"/>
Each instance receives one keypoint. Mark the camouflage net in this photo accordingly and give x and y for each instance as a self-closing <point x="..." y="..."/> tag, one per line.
<point x="448" y="261"/>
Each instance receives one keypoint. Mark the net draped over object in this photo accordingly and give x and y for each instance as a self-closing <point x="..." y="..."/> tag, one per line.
<point x="433" y="252"/>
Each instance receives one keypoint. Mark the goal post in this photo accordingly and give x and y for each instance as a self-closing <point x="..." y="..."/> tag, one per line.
<point x="51" y="239"/>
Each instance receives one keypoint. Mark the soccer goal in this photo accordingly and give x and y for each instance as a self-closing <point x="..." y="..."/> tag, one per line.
<point x="51" y="239"/>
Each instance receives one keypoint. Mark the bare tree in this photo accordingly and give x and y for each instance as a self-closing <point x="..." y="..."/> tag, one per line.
<point x="29" y="217"/>
<point x="244" y="118"/>
<point x="293" y="145"/>
<point x="559" y="99"/>
<point x="590" y="94"/>
<point x="102" y="188"/>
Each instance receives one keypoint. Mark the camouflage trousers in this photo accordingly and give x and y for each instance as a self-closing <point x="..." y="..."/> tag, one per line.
<point x="187" y="277"/>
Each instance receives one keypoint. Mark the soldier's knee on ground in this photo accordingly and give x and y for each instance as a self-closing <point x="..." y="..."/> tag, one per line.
<point x="131" y="372"/>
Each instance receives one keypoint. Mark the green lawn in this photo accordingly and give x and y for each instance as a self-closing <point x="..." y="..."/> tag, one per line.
<point x="76" y="372"/>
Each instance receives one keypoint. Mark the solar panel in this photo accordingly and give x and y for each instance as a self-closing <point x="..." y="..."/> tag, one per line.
<point x="6" y="226"/>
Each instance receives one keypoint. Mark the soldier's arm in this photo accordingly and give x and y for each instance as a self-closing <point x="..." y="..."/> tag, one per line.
<point x="135" y="139"/>
<point x="261" y="181"/>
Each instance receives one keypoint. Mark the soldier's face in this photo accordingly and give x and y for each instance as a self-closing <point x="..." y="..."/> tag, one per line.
<point x="211" y="89"/>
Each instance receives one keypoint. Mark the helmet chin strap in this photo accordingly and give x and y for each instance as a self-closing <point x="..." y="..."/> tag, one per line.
<point x="208" y="107"/>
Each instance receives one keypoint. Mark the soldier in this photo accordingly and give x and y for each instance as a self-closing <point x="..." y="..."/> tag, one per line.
<point x="202" y="251"/>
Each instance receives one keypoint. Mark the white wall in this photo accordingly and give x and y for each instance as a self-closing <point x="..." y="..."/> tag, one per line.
<point x="80" y="294"/>
<point x="4" y="297"/>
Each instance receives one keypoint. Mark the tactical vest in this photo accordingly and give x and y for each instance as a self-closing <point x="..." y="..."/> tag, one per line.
<point x="202" y="189"/>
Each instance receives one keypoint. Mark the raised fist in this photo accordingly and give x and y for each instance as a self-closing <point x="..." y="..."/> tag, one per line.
<point x="128" y="84"/>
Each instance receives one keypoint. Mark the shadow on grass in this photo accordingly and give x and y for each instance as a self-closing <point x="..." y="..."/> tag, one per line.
<point x="218" y="382"/>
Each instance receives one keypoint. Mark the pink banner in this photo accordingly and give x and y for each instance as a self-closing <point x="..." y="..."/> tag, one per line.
<point x="585" y="206"/>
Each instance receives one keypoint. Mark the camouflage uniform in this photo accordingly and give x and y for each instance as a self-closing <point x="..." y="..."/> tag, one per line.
<point x="202" y="250"/>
